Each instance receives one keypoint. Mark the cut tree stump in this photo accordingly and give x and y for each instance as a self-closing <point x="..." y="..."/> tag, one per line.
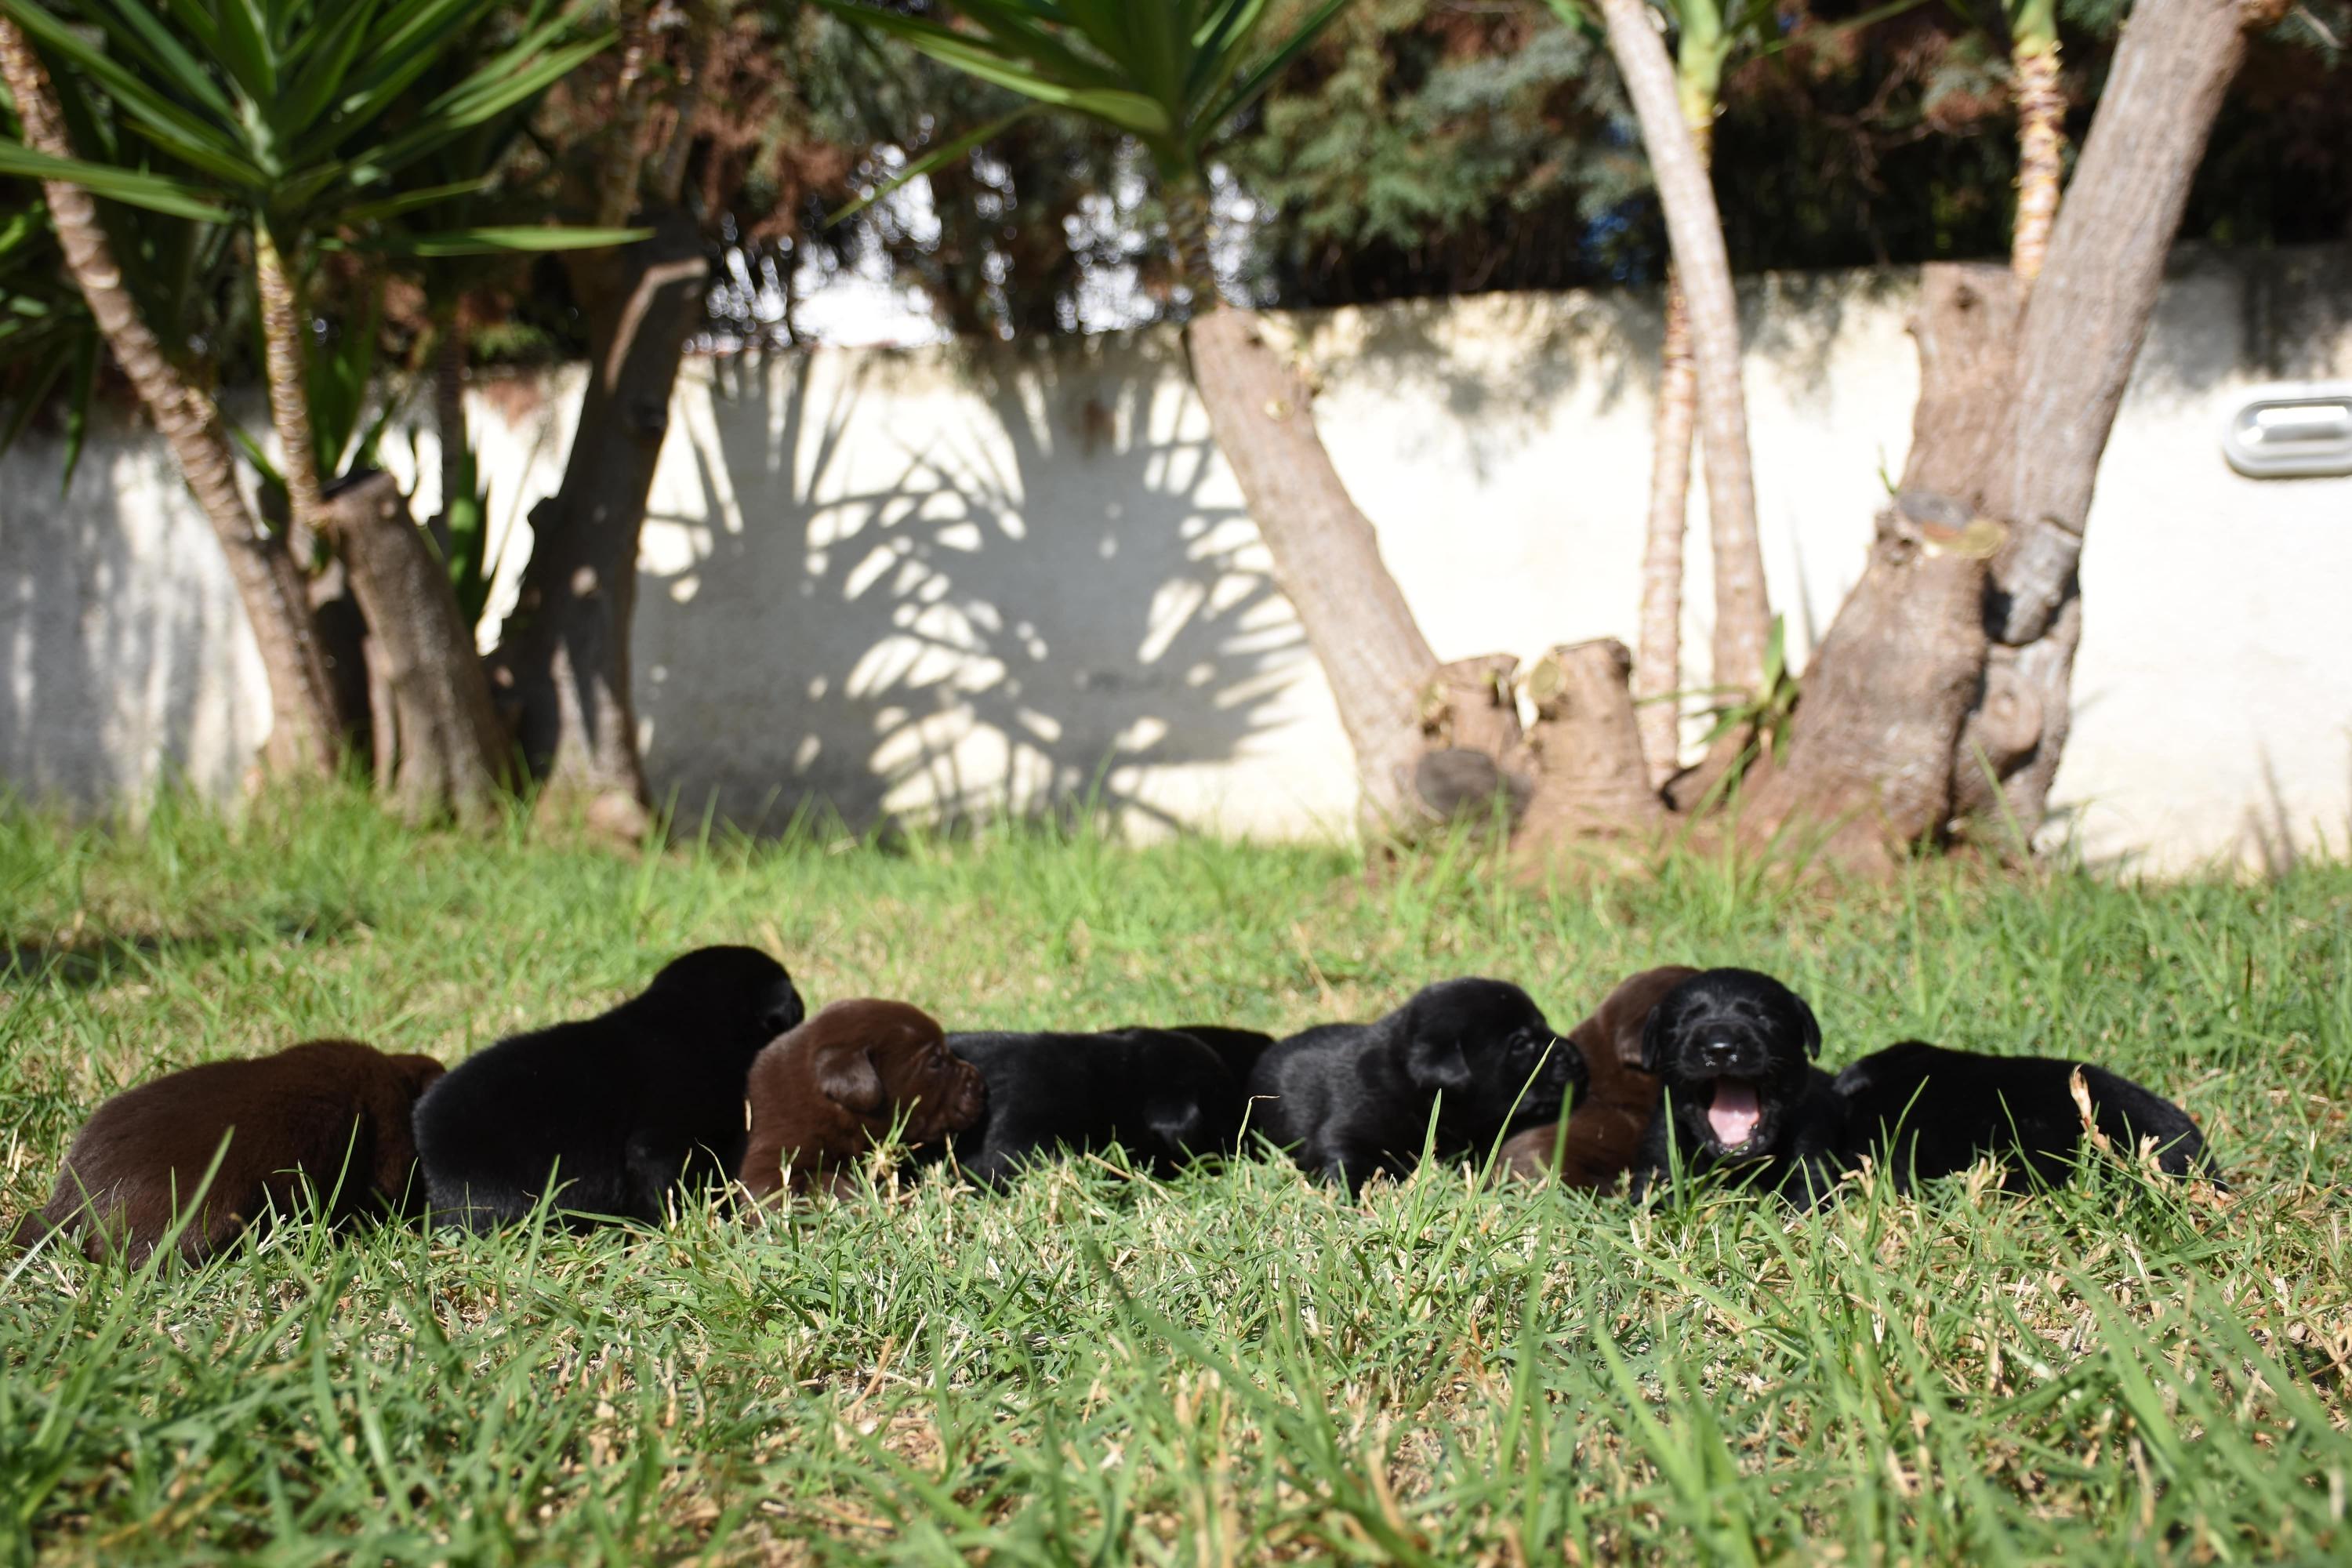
<point x="1870" y="755"/>
<point x="441" y="750"/>
<point x="1584" y="750"/>
<point x="1469" y="712"/>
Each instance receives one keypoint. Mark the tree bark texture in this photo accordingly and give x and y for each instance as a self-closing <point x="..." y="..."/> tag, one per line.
<point x="2041" y="148"/>
<point x="1584" y="750"/>
<point x="1700" y="55"/>
<point x="1870" y="756"/>
<point x="1658" y="668"/>
<point x="1469" y="726"/>
<point x="441" y="750"/>
<point x="2083" y="325"/>
<point x="2008" y="748"/>
<point x="1188" y="243"/>
<point x="1473" y="703"/>
<point x="1870" y="759"/>
<point x="706" y="42"/>
<point x="1327" y="557"/>
<point x="285" y="341"/>
<point x="616" y="186"/>
<point x="305" y="727"/>
<point x="2013" y="447"/>
<point x="1743" y="621"/>
<point x="2090" y="308"/>
<point x="341" y="631"/>
<point x="563" y="662"/>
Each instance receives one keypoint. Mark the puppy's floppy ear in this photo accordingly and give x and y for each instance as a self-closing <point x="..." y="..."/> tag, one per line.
<point x="1655" y="1030"/>
<point x="1626" y="1047"/>
<point x="416" y="1073"/>
<point x="1437" y="1062"/>
<point x="1811" y="1026"/>
<point x="850" y="1080"/>
<point x="782" y="1010"/>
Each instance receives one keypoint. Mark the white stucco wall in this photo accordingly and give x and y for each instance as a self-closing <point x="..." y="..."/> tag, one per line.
<point x="956" y="578"/>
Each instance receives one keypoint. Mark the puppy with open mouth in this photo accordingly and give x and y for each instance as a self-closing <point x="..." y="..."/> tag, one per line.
<point x="1733" y="1051"/>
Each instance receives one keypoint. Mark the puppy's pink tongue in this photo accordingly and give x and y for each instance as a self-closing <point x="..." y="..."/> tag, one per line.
<point x="1734" y="1114"/>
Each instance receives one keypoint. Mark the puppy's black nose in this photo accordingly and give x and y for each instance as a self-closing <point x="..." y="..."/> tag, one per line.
<point x="1718" y="1055"/>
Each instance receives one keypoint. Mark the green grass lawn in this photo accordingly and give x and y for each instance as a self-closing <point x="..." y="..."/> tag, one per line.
<point x="1230" y="1368"/>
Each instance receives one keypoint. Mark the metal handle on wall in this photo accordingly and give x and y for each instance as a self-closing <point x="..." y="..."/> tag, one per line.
<point x="2292" y="430"/>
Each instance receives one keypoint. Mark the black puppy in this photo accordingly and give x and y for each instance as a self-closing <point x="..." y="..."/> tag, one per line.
<point x="1161" y="1095"/>
<point x="1733" y="1051"/>
<point x="1239" y="1049"/>
<point x="1926" y="1112"/>
<point x="1347" y="1099"/>
<point x="617" y="1110"/>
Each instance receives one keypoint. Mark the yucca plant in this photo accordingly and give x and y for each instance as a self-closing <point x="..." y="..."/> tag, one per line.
<point x="293" y="116"/>
<point x="46" y="335"/>
<point x="298" y="123"/>
<point x="1174" y="75"/>
<point x="100" y="251"/>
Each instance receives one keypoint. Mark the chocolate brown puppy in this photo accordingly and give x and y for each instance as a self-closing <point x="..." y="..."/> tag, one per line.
<point x="1604" y="1131"/>
<point x="832" y="1088"/>
<point x="332" y="1114"/>
<point x="612" y="1113"/>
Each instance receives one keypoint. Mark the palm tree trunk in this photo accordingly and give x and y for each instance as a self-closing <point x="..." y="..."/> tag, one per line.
<point x="617" y="190"/>
<point x="2083" y="325"/>
<point x="440" y="749"/>
<point x="1327" y="556"/>
<point x="304" y="735"/>
<point x="447" y="754"/>
<point x="2008" y="449"/>
<point x="458" y="478"/>
<point x="1743" y="621"/>
<point x="1658" y="664"/>
<point x="284" y="339"/>
<point x="562" y="660"/>
<point x="1890" y="688"/>
<point x="2040" y="132"/>
<point x="706" y="49"/>
<point x="561" y="668"/>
